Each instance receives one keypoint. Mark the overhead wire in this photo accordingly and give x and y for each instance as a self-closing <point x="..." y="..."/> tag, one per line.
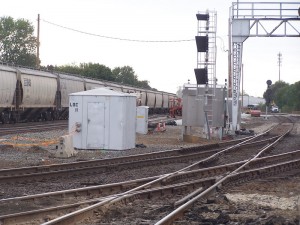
<point x="115" y="38"/>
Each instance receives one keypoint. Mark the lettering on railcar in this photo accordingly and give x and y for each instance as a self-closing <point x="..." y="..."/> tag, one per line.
<point x="27" y="82"/>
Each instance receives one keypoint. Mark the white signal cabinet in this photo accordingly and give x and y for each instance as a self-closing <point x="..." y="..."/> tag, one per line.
<point x="102" y="119"/>
<point x="142" y="119"/>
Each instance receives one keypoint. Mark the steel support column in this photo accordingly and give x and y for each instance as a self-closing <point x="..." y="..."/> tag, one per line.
<point x="237" y="49"/>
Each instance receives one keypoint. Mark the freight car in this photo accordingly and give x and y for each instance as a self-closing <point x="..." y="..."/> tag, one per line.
<point x="33" y="95"/>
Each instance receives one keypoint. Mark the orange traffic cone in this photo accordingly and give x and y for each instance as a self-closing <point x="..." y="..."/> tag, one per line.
<point x="158" y="127"/>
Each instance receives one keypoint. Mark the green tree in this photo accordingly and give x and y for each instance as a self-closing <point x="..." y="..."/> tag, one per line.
<point x="281" y="97"/>
<point x="92" y="70"/>
<point x="295" y="96"/>
<point x="17" y="42"/>
<point x="285" y="96"/>
<point x="270" y="93"/>
<point x="71" y="69"/>
<point x="125" y="75"/>
<point x="144" y="84"/>
<point x="96" y="70"/>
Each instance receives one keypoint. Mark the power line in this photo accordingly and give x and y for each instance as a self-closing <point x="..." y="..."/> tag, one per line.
<point x="114" y="38"/>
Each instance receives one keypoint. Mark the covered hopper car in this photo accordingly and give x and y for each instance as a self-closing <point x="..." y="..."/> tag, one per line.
<point x="33" y="95"/>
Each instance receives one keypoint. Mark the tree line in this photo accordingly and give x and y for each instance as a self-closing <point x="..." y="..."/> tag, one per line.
<point x="18" y="46"/>
<point x="285" y="96"/>
<point x="123" y="75"/>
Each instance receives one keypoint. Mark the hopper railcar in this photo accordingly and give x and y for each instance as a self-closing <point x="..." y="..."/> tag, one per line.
<point x="34" y="95"/>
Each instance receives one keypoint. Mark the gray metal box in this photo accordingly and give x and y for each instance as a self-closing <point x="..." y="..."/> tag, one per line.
<point x="142" y="119"/>
<point x="194" y="107"/>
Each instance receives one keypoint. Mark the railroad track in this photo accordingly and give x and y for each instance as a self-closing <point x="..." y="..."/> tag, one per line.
<point x="201" y="178"/>
<point x="284" y="118"/>
<point x="57" y="171"/>
<point x="234" y="176"/>
<point x="157" y="119"/>
<point x="20" y="128"/>
<point x="6" y="129"/>
<point x="32" y="127"/>
<point x="201" y="183"/>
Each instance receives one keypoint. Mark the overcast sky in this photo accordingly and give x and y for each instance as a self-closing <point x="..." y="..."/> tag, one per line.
<point x="165" y="65"/>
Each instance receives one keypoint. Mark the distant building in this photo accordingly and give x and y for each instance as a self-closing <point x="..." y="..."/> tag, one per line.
<point x="250" y="100"/>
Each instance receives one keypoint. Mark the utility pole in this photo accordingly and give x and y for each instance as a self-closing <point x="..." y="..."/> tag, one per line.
<point x="279" y="62"/>
<point x="37" y="62"/>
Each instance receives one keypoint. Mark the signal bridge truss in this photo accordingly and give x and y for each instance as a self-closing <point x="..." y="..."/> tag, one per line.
<point x="256" y="19"/>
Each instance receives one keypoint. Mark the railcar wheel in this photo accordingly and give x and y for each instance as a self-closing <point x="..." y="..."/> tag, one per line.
<point x="55" y="115"/>
<point x="47" y="116"/>
<point x="5" y="117"/>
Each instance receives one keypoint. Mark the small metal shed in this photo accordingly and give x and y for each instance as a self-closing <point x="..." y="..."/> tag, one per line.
<point x="102" y="119"/>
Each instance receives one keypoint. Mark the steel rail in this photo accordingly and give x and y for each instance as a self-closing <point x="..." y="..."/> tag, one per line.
<point x="97" y="166"/>
<point x="31" y="128"/>
<point x="180" y="210"/>
<point x="7" y="129"/>
<point x="92" y="163"/>
<point x="31" y="124"/>
<point x="244" y="175"/>
<point x="28" y="216"/>
<point x="212" y="171"/>
<point x="43" y="174"/>
<point x="107" y="188"/>
<point x="77" y="215"/>
<point x="239" y="177"/>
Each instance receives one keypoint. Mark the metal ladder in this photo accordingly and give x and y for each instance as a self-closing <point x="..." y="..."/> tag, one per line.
<point x="208" y="59"/>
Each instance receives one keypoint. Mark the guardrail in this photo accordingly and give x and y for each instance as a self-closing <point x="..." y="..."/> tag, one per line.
<point x="259" y="10"/>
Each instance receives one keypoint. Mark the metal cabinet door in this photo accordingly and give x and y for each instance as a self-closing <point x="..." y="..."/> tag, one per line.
<point x="96" y="125"/>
